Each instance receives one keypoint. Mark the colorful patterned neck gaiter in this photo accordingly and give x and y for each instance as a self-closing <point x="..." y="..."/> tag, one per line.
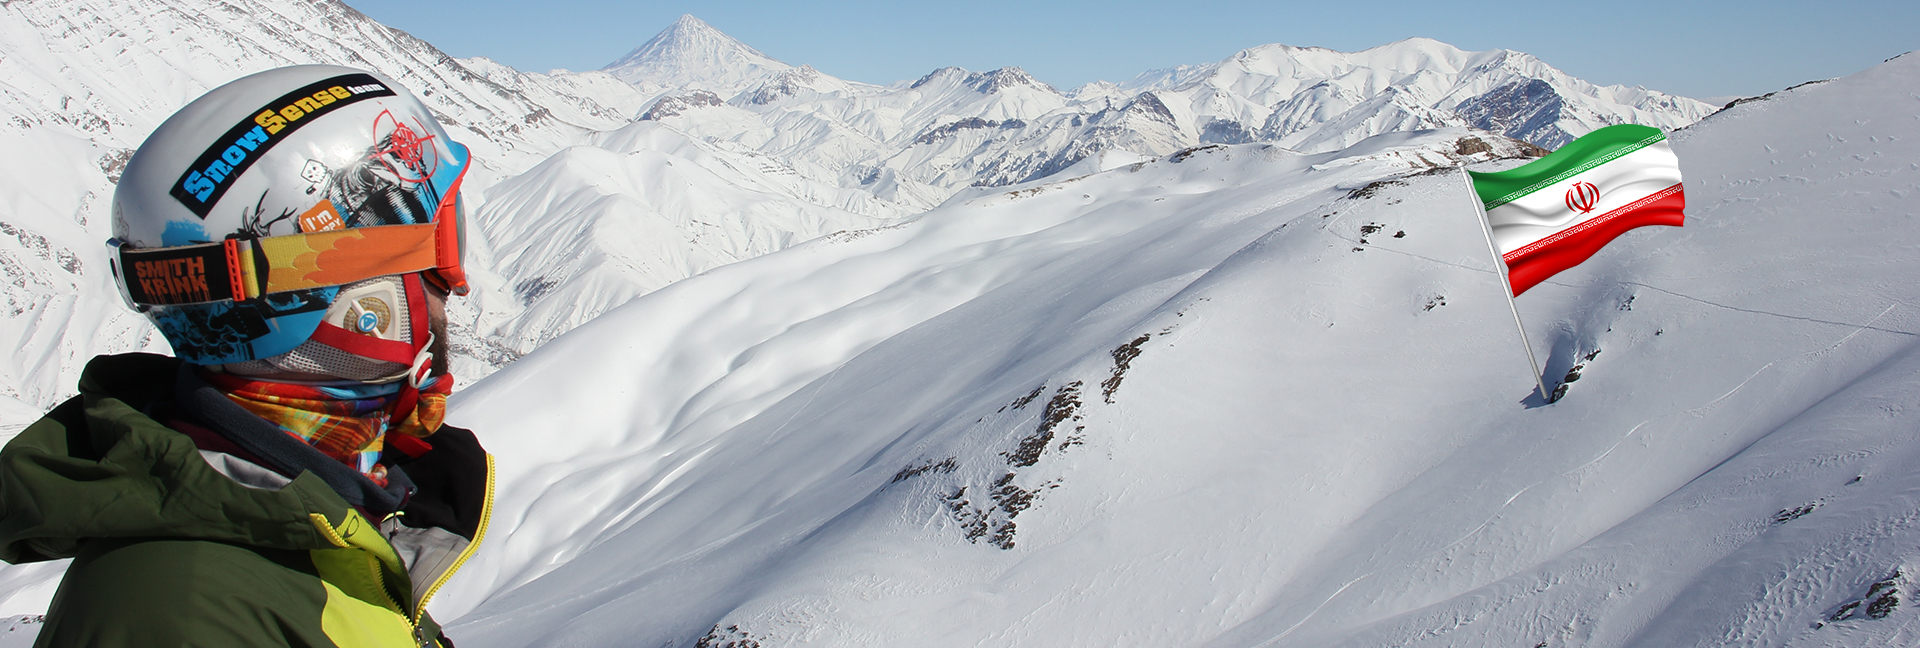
<point x="347" y="423"/>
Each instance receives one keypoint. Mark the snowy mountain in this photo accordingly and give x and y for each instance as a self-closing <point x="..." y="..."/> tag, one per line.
<point x="1244" y="396"/>
<point x="917" y="143"/>
<point x="639" y="208"/>
<point x="1213" y="357"/>
<point x="692" y="55"/>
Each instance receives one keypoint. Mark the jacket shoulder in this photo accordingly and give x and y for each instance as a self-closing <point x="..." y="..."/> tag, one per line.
<point x="97" y="466"/>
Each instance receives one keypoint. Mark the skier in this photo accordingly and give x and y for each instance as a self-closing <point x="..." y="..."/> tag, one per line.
<point x="286" y="480"/>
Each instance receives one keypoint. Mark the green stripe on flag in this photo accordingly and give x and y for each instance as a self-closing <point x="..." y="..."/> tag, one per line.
<point x="1591" y="150"/>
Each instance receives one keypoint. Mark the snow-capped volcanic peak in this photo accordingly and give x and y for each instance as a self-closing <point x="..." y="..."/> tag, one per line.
<point x="691" y="53"/>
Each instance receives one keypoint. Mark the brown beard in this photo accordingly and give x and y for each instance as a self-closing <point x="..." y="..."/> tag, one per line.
<point x="437" y="325"/>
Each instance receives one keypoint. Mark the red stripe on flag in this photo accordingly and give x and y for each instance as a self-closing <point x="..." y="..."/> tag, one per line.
<point x="1530" y="265"/>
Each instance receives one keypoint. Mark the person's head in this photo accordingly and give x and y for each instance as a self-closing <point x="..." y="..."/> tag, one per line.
<point x="299" y="224"/>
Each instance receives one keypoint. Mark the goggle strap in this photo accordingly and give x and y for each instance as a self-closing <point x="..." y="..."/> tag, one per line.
<point x="446" y="241"/>
<point x="241" y="269"/>
<point x="339" y="257"/>
<point x="181" y="275"/>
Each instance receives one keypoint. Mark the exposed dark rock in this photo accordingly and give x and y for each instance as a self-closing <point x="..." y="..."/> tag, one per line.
<point x="1226" y="131"/>
<point x="1148" y="105"/>
<point x="1003" y="78"/>
<point x="985" y="82"/>
<point x="114" y="162"/>
<point x="971" y="123"/>
<point x="1795" y="513"/>
<point x="1064" y="406"/>
<point x="786" y="84"/>
<point x="1882" y="598"/>
<point x="732" y="637"/>
<point x="1123" y="356"/>
<point x="532" y="290"/>
<point x="1524" y="110"/>
<point x="1182" y="154"/>
<point x="1372" y="189"/>
<point x="1023" y="401"/>
<point x="947" y="465"/>
<point x="680" y="104"/>
<point x="1471" y="145"/>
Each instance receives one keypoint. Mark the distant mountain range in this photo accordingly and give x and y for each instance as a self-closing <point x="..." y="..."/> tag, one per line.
<point x="915" y="143"/>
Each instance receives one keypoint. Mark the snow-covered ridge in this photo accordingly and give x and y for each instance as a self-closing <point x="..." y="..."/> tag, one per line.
<point x="1244" y="396"/>
<point x="1308" y="99"/>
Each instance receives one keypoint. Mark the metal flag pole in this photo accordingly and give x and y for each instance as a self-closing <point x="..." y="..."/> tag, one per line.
<point x="1506" y="286"/>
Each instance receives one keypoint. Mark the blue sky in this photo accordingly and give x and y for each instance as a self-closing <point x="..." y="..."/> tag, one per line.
<point x="1699" y="49"/>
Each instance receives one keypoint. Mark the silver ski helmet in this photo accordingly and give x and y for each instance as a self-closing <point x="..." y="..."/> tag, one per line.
<point x="239" y="220"/>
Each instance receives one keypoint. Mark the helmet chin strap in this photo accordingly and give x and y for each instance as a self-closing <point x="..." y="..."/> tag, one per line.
<point x="422" y="365"/>
<point x="419" y="373"/>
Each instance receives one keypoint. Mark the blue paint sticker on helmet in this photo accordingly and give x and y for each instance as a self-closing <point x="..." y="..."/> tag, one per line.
<point x="228" y="332"/>
<point x="184" y="233"/>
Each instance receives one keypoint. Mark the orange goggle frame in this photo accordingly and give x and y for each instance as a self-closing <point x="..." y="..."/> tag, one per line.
<point x="244" y="269"/>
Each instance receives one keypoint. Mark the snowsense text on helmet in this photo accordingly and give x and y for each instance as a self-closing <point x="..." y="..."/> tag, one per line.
<point x="213" y="173"/>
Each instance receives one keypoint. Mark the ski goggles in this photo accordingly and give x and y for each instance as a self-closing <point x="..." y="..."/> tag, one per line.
<point x="241" y="270"/>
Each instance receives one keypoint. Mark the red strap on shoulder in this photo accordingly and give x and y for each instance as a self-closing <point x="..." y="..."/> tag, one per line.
<point x="408" y="444"/>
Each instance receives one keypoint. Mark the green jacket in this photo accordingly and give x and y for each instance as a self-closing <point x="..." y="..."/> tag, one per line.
<point x="175" y="544"/>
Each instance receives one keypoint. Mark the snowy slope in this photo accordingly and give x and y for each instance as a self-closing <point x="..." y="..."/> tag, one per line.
<point x="1242" y="396"/>
<point x="644" y="206"/>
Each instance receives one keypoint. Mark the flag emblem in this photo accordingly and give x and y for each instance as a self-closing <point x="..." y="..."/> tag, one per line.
<point x="1581" y="197"/>
<point x="1558" y="211"/>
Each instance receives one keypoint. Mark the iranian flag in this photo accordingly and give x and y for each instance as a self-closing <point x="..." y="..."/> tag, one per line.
<point x="1556" y="212"/>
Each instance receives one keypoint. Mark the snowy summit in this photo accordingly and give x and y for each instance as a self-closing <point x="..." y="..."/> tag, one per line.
<point x="692" y="54"/>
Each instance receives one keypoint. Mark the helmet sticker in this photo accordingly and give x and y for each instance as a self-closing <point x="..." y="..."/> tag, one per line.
<point x="225" y="332"/>
<point x="211" y="175"/>
<point x="403" y="150"/>
<point x="321" y="218"/>
<point x="390" y="183"/>
<point x="180" y="233"/>
<point x="253" y="221"/>
<point x="314" y="172"/>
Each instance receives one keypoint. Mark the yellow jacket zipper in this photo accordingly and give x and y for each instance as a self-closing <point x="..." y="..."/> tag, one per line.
<point x="486" y="515"/>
